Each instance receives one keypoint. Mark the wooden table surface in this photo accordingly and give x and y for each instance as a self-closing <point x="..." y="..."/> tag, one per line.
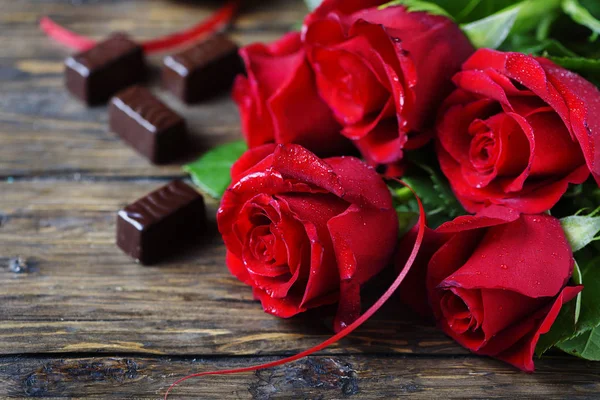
<point x="81" y="320"/>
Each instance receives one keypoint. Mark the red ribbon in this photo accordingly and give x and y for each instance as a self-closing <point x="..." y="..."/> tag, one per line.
<point x="344" y="332"/>
<point x="78" y="42"/>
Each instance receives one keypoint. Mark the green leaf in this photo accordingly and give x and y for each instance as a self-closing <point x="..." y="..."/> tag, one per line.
<point x="586" y="340"/>
<point x="577" y="279"/>
<point x="491" y="31"/>
<point x="438" y="199"/>
<point x="562" y="329"/>
<point x="586" y="345"/>
<point x="312" y="4"/>
<point x="531" y="45"/>
<point x="406" y="220"/>
<point x="589" y="68"/>
<point x="581" y="15"/>
<point x="589" y="316"/>
<point x="471" y="10"/>
<point x="418" y="5"/>
<point x="578" y="318"/>
<point x="534" y="15"/>
<point x="211" y="172"/>
<point x="519" y="18"/>
<point x="580" y="230"/>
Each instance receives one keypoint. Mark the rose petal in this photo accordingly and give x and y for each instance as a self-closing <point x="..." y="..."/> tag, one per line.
<point x="314" y="212"/>
<point x="294" y="161"/>
<point x="504" y="308"/>
<point x="237" y="269"/>
<point x="530" y="256"/>
<point x="413" y="290"/>
<point x="362" y="185"/>
<point x="250" y="159"/>
<point x="521" y="354"/>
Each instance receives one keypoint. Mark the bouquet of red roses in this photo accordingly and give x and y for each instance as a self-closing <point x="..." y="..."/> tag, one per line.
<point x="489" y="113"/>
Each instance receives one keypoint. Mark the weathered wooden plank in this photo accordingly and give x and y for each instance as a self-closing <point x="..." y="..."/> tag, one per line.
<point x="45" y="132"/>
<point x="48" y="142"/>
<point x="80" y="293"/>
<point x="333" y="377"/>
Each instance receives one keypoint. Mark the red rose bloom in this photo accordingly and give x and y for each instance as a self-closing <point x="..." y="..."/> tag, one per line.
<point x="383" y="72"/>
<point x="496" y="281"/>
<point x="303" y="232"/>
<point x="278" y="100"/>
<point x="517" y="131"/>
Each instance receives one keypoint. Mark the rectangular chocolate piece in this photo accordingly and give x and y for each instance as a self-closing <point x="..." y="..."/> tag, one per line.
<point x="147" y="125"/>
<point x="161" y="222"/>
<point x="203" y="70"/>
<point x="95" y="75"/>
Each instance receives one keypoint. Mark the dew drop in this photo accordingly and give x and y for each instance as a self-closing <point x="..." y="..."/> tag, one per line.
<point x="504" y="266"/>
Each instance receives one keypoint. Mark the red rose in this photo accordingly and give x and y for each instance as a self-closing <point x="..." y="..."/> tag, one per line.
<point x="383" y="72"/>
<point x="304" y="232"/>
<point x="517" y="131"/>
<point x="278" y="101"/>
<point x="496" y="281"/>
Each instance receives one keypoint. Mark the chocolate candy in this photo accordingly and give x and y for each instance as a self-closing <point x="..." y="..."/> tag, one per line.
<point x="203" y="70"/>
<point x="161" y="222"/>
<point x="147" y="125"/>
<point x="98" y="73"/>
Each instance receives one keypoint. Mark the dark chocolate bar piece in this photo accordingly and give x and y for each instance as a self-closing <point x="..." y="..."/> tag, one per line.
<point x="158" y="224"/>
<point x="147" y="125"/>
<point x="203" y="70"/>
<point x="95" y="75"/>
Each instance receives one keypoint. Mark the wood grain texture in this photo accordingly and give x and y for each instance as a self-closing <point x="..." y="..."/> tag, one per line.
<point x="79" y="319"/>
<point x="45" y="132"/>
<point x="81" y="293"/>
<point x="329" y="377"/>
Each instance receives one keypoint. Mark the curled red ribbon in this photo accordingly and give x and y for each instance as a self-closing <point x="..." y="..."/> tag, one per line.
<point x="350" y="328"/>
<point x="78" y="42"/>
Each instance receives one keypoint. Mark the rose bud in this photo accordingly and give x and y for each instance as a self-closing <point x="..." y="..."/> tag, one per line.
<point x="495" y="281"/>
<point x="304" y="231"/>
<point x="383" y="72"/>
<point x="278" y="100"/>
<point x="517" y="131"/>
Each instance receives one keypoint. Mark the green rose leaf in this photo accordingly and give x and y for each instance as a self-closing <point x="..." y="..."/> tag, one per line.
<point x="585" y="342"/>
<point x="491" y="31"/>
<point x="522" y="17"/>
<point x="581" y="15"/>
<point x="588" y="67"/>
<point x="211" y="172"/>
<point x="586" y="345"/>
<point x="531" y="45"/>
<point x="576" y="330"/>
<point x="580" y="230"/>
<point x="564" y="327"/>
<point x="418" y="5"/>
<point x="438" y="199"/>
<point x="589" y="316"/>
<point x="312" y="4"/>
